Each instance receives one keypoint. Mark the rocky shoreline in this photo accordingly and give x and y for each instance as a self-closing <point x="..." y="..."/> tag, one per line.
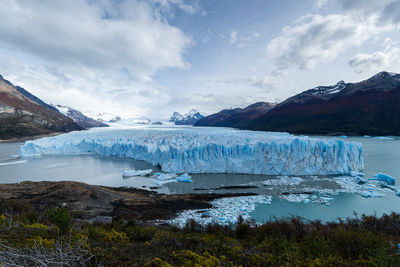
<point x="92" y="202"/>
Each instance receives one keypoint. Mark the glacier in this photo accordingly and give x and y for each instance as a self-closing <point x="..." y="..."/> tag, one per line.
<point x="210" y="150"/>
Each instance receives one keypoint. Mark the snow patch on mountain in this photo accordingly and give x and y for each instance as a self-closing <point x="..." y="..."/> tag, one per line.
<point x="323" y="90"/>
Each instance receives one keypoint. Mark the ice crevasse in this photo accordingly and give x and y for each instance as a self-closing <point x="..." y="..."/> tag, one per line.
<point x="210" y="150"/>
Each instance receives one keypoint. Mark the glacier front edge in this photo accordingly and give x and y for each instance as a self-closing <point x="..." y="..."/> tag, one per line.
<point x="210" y="150"/>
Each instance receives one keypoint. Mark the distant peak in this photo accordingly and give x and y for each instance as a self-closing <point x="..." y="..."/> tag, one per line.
<point x="384" y="74"/>
<point x="340" y="82"/>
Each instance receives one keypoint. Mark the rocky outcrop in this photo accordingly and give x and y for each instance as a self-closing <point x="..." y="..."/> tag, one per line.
<point x="91" y="201"/>
<point x="22" y="114"/>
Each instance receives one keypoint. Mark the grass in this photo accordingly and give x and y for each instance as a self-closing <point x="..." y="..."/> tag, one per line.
<point x="365" y="241"/>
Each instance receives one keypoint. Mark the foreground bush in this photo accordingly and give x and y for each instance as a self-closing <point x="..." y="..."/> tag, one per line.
<point x="365" y="241"/>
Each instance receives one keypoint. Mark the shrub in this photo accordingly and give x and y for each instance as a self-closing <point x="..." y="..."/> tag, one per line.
<point x="157" y="262"/>
<point x="61" y="218"/>
<point x="2" y="219"/>
<point x="41" y="242"/>
<point x="36" y="226"/>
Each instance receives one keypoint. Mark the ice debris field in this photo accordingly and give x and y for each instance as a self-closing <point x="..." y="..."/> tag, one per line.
<point x="210" y="150"/>
<point x="226" y="211"/>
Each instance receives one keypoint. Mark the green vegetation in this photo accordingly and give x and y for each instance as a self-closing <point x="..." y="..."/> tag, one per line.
<point x="365" y="241"/>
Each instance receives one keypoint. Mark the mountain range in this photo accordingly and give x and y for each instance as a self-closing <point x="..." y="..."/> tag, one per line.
<point x="22" y="114"/>
<point x="369" y="107"/>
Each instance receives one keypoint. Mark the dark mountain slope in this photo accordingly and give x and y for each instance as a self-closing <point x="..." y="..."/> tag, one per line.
<point x="369" y="107"/>
<point x="237" y="117"/>
<point x="22" y="114"/>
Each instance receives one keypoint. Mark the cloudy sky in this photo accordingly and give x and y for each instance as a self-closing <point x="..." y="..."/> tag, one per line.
<point x="153" y="57"/>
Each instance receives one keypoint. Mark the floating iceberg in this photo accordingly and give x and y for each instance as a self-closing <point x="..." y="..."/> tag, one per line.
<point x="354" y="174"/>
<point x="210" y="150"/>
<point x="163" y="178"/>
<point x="131" y="173"/>
<point x="184" y="178"/>
<point x="283" y="180"/>
<point x="298" y="198"/>
<point x="360" y="180"/>
<point x="384" y="178"/>
<point x="384" y="138"/>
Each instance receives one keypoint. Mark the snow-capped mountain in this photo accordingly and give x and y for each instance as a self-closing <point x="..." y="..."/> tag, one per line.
<point x="78" y="117"/>
<point x="189" y="118"/>
<point x="107" y="117"/>
<point x="369" y="107"/>
<point x="176" y="116"/>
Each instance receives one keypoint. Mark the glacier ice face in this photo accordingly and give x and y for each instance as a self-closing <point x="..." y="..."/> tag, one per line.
<point x="210" y="150"/>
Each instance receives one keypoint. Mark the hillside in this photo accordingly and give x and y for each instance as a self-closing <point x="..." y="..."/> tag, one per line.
<point x="22" y="114"/>
<point x="237" y="117"/>
<point x="370" y="107"/>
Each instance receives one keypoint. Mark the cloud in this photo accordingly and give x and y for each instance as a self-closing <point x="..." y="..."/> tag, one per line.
<point x="377" y="61"/>
<point x="367" y="63"/>
<point x="167" y="6"/>
<point x="87" y="49"/>
<point x="315" y="38"/>
<point x="320" y="3"/>
<point x="233" y="37"/>
<point x="390" y="13"/>
<point x="93" y="35"/>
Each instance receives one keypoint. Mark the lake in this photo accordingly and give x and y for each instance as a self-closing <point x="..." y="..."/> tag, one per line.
<point x="379" y="156"/>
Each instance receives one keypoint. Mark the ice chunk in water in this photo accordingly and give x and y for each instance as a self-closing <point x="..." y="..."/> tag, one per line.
<point x="384" y="178"/>
<point x="354" y="173"/>
<point x="131" y="173"/>
<point x="184" y="178"/>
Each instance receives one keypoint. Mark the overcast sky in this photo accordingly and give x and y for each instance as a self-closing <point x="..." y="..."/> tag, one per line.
<point x="153" y="57"/>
